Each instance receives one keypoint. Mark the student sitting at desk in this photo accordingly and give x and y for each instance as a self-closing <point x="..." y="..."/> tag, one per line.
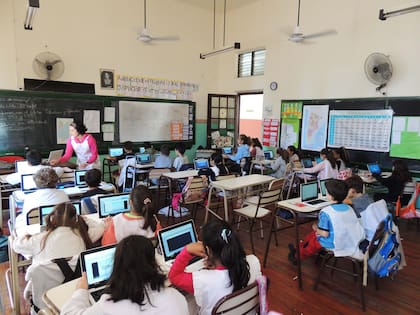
<point x="163" y="160"/>
<point x="46" y="180"/>
<point x="33" y="158"/>
<point x="279" y="164"/>
<point x="341" y="158"/>
<point x="327" y="168"/>
<point x="293" y="154"/>
<point x="228" y="268"/>
<point x="93" y="179"/>
<point x="241" y="151"/>
<point x="136" y="285"/>
<point x="355" y="196"/>
<point x="128" y="150"/>
<point x="255" y="149"/>
<point x="66" y="235"/>
<point x="83" y="144"/>
<point x="139" y="221"/>
<point x="180" y="159"/>
<point x="338" y="228"/>
<point x="395" y="183"/>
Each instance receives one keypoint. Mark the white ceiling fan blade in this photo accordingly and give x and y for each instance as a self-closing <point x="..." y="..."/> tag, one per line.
<point x="324" y="33"/>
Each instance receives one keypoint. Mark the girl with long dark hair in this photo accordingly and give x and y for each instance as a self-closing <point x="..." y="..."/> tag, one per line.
<point x="327" y="168"/>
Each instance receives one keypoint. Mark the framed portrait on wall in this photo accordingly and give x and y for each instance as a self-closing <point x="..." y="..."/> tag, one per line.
<point x="107" y="79"/>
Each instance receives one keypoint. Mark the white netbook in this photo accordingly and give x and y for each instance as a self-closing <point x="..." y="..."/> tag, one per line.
<point x="98" y="264"/>
<point x="55" y="155"/>
<point x="114" y="152"/>
<point x="110" y="205"/>
<point x="309" y="195"/>
<point x="21" y="166"/>
<point x="27" y="183"/>
<point x="174" y="238"/>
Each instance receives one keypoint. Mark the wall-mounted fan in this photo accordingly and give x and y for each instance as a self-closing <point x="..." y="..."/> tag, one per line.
<point x="144" y="35"/>
<point x="48" y="66"/>
<point x="297" y="36"/>
<point x="378" y="69"/>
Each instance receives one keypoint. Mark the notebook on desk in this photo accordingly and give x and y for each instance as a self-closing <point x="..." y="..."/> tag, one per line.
<point x="55" y="155"/>
<point x="174" y="238"/>
<point x="27" y="183"/>
<point x="143" y="158"/>
<point x="374" y="168"/>
<point x="110" y="205"/>
<point x="98" y="264"/>
<point x="114" y="152"/>
<point x="309" y="195"/>
<point x="201" y="163"/>
<point x="268" y="155"/>
<point x="46" y="210"/>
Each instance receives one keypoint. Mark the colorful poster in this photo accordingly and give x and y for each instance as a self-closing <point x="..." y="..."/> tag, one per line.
<point x="405" y="137"/>
<point x="270" y="132"/>
<point x="314" y="127"/>
<point x="289" y="133"/>
<point x="291" y="110"/>
<point x="368" y="130"/>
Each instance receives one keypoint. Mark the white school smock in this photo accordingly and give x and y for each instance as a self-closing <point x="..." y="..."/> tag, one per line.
<point x="211" y="285"/>
<point x="324" y="170"/>
<point x="125" y="226"/>
<point x="15" y="178"/>
<point x="348" y="232"/>
<point x="83" y="153"/>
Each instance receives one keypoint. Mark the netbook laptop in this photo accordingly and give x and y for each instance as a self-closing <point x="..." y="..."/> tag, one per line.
<point x="55" y="155"/>
<point x="46" y="210"/>
<point x="27" y="183"/>
<point x="114" y="152"/>
<point x="79" y="178"/>
<point x="309" y="195"/>
<point x="227" y="150"/>
<point x="201" y="163"/>
<point x="318" y="160"/>
<point x="98" y="264"/>
<point x="21" y="166"/>
<point x="174" y="238"/>
<point x="307" y="163"/>
<point x="110" y="205"/>
<point x="143" y="158"/>
<point x="142" y="150"/>
<point x="323" y="188"/>
<point x="374" y="168"/>
<point x="268" y="155"/>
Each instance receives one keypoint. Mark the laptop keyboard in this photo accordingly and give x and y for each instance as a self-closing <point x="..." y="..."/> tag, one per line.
<point x="97" y="294"/>
<point x="315" y="202"/>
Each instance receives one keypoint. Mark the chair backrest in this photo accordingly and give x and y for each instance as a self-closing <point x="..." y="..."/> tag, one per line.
<point x="32" y="217"/>
<point x="194" y="189"/>
<point x="224" y="177"/>
<point x="130" y="160"/>
<point x="90" y="204"/>
<point x="243" y="301"/>
<point x="272" y="194"/>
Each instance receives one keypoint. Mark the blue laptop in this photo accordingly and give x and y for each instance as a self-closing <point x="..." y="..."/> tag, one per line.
<point x="374" y="168"/>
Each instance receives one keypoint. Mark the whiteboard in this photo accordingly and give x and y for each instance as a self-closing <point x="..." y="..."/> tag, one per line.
<point x="367" y="130"/>
<point x="151" y="121"/>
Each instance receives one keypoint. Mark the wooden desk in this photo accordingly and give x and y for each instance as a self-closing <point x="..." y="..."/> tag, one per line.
<point x="295" y="207"/>
<point x="231" y="185"/>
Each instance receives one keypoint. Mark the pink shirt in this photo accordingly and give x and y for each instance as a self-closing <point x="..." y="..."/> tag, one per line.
<point x="92" y="147"/>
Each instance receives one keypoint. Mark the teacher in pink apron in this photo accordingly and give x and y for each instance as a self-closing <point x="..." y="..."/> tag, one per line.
<point x="84" y="145"/>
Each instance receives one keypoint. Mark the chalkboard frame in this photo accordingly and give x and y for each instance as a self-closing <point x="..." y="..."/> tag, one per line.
<point x="402" y="106"/>
<point x="104" y="101"/>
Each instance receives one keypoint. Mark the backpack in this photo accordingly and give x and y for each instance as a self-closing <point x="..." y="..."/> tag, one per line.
<point x="385" y="257"/>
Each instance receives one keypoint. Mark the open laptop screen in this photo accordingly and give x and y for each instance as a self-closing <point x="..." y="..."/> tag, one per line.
<point x="55" y="155"/>
<point x="268" y="155"/>
<point x="46" y="210"/>
<point x="174" y="238"/>
<point x="79" y="178"/>
<point x="307" y="163"/>
<point x="201" y="163"/>
<point x="98" y="264"/>
<point x="143" y="158"/>
<point x="113" y="152"/>
<point x="110" y="205"/>
<point x="227" y="150"/>
<point x="374" y="168"/>
<point x="322" y="187"/>
<point x="21" y="166"/>
<point x="27" y="182"/>
<point x="309" y="191"/>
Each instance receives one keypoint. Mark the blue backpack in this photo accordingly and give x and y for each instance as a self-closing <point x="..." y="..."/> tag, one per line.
<point x="385" y="257"/>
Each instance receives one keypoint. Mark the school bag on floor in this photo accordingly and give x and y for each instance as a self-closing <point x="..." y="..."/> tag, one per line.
<point x="385" y="250"/>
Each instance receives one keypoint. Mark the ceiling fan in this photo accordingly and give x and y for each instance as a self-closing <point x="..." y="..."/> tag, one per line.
<point x="144" y="35"/>
<point x="297" y="36"/>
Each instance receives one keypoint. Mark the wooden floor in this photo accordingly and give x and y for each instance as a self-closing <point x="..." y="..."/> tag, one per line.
<point x="337" y="296"/>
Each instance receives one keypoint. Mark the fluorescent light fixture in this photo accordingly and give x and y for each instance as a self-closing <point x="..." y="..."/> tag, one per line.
<point x="30" y="14"/>
<point x="215" y="52"/>
<point x="384" y="15"/>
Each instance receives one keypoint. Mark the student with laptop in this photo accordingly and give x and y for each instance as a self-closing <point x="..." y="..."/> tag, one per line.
<point x="279" y="164"/>
<point x="127" y="149"/>
<point x="93" y="179"/>
<point x="228" y="268"/>
<point x="293" y="154"/>
<point x="30" y="166"/>
<point x="395" y="183"/>
<point x="163" y="160"/>
<point x="338" y="228"/>
<point x="139" y="221"/>
<point x="341" y="157"/>
<point x="326" y="169"/>
<point x="181" y="158"/>
<point x="255" y="149"/>
<point x="355" y="196"/>
<point x="135" y="286"/>
<point x="83" y="144"/>
<point x="46" y="180"/>
<point x="241" y="151"/>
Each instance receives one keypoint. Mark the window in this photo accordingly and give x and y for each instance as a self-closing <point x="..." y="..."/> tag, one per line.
<point x="251" y="63"/>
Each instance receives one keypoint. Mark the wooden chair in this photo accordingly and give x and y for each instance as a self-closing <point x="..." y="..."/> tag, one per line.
<point x="159" y="183"/>
<point x="194" y="195"/>
<point x="32" y="217"/>
<point x="242" y="301"/>
<point x="253" y="212"/>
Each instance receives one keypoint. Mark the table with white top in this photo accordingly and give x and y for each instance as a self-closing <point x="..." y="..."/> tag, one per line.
<point x="233" y="184"/>
<point x="296" y="208"/>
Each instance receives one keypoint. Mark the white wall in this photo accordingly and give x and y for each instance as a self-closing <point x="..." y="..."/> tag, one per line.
<point x="95" y="34"/>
